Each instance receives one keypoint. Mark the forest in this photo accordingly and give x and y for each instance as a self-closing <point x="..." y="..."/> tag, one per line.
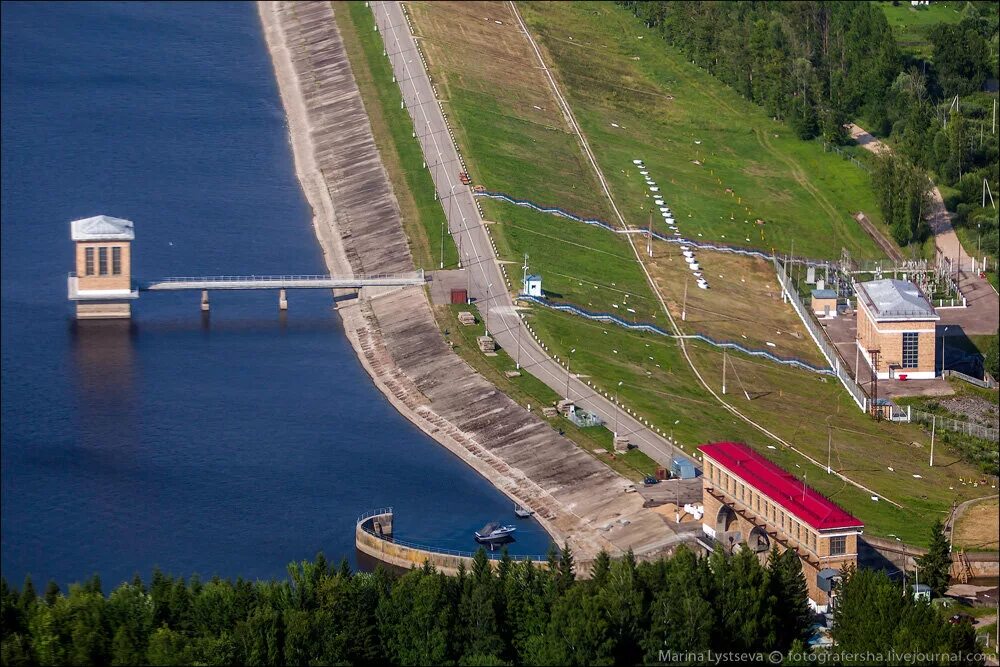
<point x="819" y="65"/>
<point x="507" y="613"/>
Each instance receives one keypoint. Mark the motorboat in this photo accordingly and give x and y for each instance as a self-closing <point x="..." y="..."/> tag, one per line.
<point x="494" y="532"/>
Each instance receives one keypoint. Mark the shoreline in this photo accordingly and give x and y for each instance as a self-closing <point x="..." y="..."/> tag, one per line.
<point x="324" y="221"/>
<point x="577" y="501"/>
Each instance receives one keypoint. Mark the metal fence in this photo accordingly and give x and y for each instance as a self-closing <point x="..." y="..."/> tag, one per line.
<point x="956" y="425"/>
<point x="847" y="156"/>
<point x="855" y="390"/>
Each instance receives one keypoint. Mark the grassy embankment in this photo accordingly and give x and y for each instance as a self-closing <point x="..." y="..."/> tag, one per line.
<point x="420" y="212"/>
<point x="698" y="138"/>
<point x="422" y="216"/>
<point x="787" y="179"/>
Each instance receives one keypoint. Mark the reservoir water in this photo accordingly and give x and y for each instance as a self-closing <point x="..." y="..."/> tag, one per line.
<point x="228" y="445"/>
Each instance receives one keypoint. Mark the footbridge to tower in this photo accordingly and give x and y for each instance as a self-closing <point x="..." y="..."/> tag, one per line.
<point x="103" y="287"/>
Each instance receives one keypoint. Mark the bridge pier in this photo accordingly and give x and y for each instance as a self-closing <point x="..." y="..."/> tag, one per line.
<point x="282" y="300"/>
<point x="204" y="300"/>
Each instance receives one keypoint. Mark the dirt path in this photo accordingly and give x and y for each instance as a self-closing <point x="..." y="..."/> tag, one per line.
<point x="945" y="238"/>
<point x="983" y="310"/>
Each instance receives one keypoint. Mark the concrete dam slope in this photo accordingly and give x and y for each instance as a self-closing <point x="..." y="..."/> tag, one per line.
<point x="576" y="498"/>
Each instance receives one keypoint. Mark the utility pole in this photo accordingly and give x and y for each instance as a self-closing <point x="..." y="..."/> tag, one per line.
<point x="649" y="236"/>
<point x="933" y="428"/>
<point x="442" y="244"/>
<point x="518" y="360"/>
<point x="829" y="447"/>
<point x="616" y="407"/>
<point x="568" y="375"/>
<point x="684" y="311"/>
<point x="723" y="371"/>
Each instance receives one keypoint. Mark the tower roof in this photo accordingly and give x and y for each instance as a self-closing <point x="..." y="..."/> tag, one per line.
<point x="895" y="300"/>
<point x="102" y="228"/>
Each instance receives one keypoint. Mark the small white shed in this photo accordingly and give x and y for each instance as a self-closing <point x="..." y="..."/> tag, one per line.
<point x="533" y="285"/>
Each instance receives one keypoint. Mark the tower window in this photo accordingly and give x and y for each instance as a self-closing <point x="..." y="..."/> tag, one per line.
<point x="838" y="545"/>
<point x="88" y="261"/>
<point x="116" y="260"/>
<point x="102" y="261"/>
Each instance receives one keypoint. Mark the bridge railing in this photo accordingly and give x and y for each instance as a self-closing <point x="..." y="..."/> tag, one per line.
<point x="306" y="277"/>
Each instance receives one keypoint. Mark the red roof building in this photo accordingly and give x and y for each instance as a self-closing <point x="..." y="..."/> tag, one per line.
<point x="781" y="486"/>
<point x="751" y="503"/>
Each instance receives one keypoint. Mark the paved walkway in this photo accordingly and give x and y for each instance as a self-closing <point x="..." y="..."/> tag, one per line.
<point x="984" y="305"/>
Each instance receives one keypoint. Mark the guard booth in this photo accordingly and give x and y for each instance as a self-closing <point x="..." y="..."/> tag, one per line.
<point x="101" y="286"/>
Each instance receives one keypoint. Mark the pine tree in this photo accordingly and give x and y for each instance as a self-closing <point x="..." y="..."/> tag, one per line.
<point x="51" y="592"/>
<point x="788" y="586"/>
<point x="600" y="569"/>
<point x="567" y="568"/>
<point x="935" y="565"/>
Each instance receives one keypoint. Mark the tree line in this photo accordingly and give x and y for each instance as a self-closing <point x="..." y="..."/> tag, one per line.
<point x="818" y="65"/>
<point x="506" y="613"/>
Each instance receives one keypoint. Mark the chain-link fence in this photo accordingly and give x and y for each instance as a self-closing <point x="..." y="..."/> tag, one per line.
<point x="956" y="425"/>
<point x="832" y="358"/>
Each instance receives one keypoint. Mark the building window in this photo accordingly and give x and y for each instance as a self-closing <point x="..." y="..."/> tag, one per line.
<point x="89" y="261"/>
<point x="102" y="261"/>
<point x="910" y="355"/>
<point x="116" y="261"/>
<point x="838" y="545"/>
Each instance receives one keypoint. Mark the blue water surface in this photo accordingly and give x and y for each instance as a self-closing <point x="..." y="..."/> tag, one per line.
<point x="230" y="444"/>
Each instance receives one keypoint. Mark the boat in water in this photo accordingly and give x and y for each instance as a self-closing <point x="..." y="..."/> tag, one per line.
<point x="494" y="532"/>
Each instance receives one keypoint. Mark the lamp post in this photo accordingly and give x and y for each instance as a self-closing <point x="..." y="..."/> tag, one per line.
<point x="616" y="407"/>
<point x="487" y="318"/>
<point x="518" y="358"/>
<point x="568" y="375"/>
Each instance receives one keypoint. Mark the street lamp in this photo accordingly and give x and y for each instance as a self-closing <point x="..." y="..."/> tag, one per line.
<point x="616" y="407"/>
<point x="487" y="318"/>
<point x="568" y="357"/>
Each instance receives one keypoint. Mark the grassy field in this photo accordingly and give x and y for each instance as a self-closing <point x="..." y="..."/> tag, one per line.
<point x="795" y="405"/>
<point x="911" y="25"/>
<point x="977" y="527"/>
<point x="637" y="98"/>
<point x="582" y="264"/>
<point x="516" y="141"/>
<point x="515" y="138"/>
<point x="742" y="305"/>
<point x="421" y="213"/>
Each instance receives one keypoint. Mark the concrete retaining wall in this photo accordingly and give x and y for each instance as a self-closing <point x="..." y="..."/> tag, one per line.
<point x="982" y="564"/>
<point x="407" y="557"/>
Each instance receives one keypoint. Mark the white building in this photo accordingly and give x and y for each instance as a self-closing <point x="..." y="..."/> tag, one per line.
<point x="533" y="285"/>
